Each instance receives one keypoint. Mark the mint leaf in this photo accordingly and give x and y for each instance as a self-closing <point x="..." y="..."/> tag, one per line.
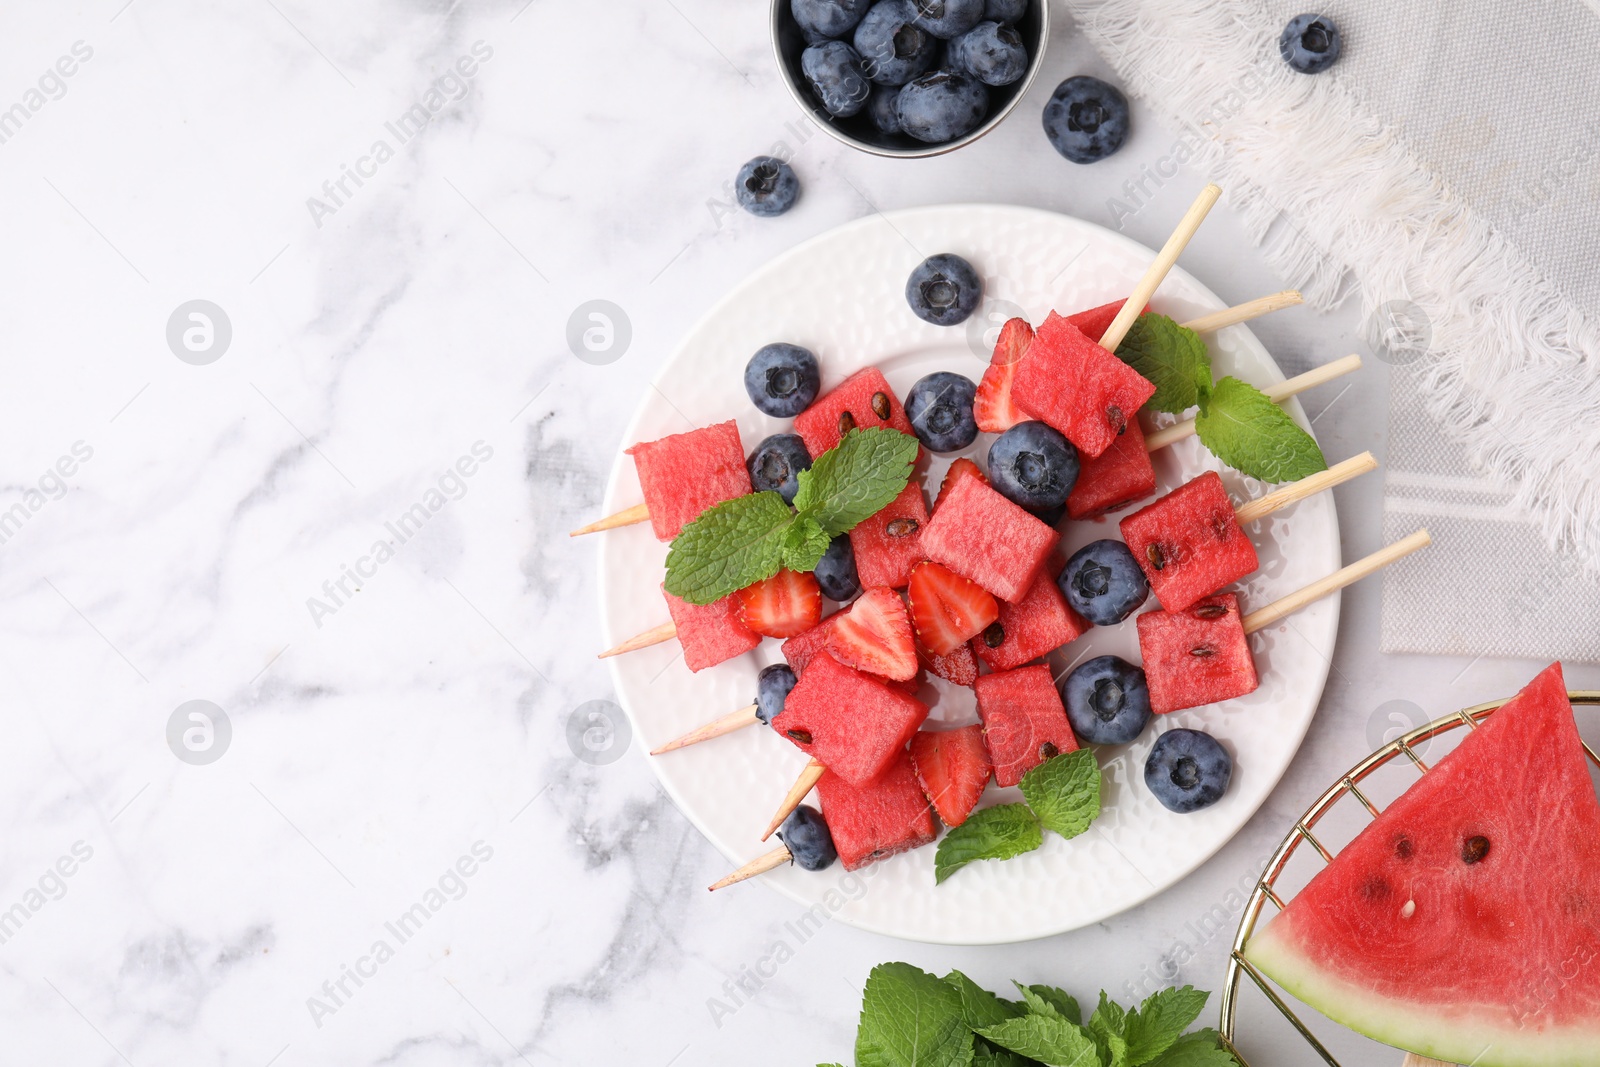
<point x="985" y="1054"/>
<point x="856" y="479"/>
<point x="1108" y="1027"/>
<point x="1064" y="792"/>
<point x="729" y="546"/>
<point x="1199" y="1049"/>
<point x="909" y="1018"/>
<point x="1054" y="1042"/>
<point x="1253" y="435"/>
<point x="1047" y="999"/>
<point x="1161" y="1019"/>
<point x="1174" y="359"/>
<point x="979" y="1007"/>
<point x="803" y="544"/>
<point x="996" y="833"/>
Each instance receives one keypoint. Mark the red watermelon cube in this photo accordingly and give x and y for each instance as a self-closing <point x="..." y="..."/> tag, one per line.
<point x="874" y="820"/>
<point x="1096" y="321"/>
<point x="1197" y="656"/>
<point x="864" y="399"/>
<point x="1085" y="392"/>
<point x="852" y="722"/>
<point x="1115" y="478"/>
<point x="710" y="633"/>
<point x="981" y="535"/>
<point x="686" y="473"/>
<point x="953" y="768"/>
<point x="1024" y="721"/>
<point x="959" y="665"/>
<point x="799" y="650"/>
<point x="889" y="544"/>
<point x="1034" y="626"/>
<point x="1189" y="543"/>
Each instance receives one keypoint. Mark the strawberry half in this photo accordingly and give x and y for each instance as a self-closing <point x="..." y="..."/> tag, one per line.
<point x="874" y="635"/>
<point x="960" y="665"/>
<point x="788" y="603"/>
<point x="961" y="468"/>
<point x="992" y="408"/>
<point x="953" y="768"/>
<point x="947" y="609"/>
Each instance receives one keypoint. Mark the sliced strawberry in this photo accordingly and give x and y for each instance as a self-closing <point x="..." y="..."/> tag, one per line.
<point x="788" y="603"/>
<point x="961" y="468"/>
<point x="874" y="635"/>
<point x="947" y="609"/>
<point x="960" y="665"/>
<point x="992" y="409"/>
<point x="953" y="768"/>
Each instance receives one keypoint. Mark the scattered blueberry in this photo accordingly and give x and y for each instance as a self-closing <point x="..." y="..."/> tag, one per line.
<point x="941" y="106"/>
<point x="1049" y="516"/>
<point x="1187" y="770"/>
<point x="772" y="689"/>
<point x="944" y="289"/>
<point x="1107" y="701"/>
<point x="1103" y="583"/>
<point x="766" y="186"/>
<point x="1086" y="119"/>
<point x="807" y="838"/>
<point x="836" y="572"/>
<point x="880" y="108"/>
<point x="948" y="18"/>
<point x="822" y="19"/>
<point x="776" y="465"/>
<point x="833" y="70"/>
<point x="782" y="380"/>
<point x="1310" y="44"/>
<point x="1005" y="11"/>
<point x="1033" y="465"/>
<point x="990" y="52"/>
<point x="940" y="409"/>
<point x="893" y="47"/>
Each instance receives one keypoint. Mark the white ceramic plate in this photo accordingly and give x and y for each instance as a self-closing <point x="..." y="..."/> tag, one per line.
<point x="842" y="296"/>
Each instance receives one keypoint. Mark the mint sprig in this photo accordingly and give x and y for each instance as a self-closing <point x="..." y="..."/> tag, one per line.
<point x="996" y="833"/>
<point x="1063" y="795"/>
<point x="909" y="1018"/>
<point x="1172" y="357"/>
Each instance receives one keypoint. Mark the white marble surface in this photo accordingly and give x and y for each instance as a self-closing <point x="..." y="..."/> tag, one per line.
<point x="422" y="721"/>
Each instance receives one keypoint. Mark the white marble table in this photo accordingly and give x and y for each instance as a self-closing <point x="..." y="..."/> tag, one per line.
<point x="205" y="528"/>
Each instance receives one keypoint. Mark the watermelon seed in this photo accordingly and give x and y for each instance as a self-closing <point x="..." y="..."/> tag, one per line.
<point x="847" y="422"/>
<point x="1158" y="559"/>
<point x="1475" y="849"/>
<point x="1403" y="847"/>
<point x="994" y="635"/>
<point x="901" y="527"/>
<point x="1118" y="421"/>
<point x="1409" y="910"/>
<point x="802" y="736"/>
<point x="1211" y="611"/>
<point x="1048" y="750"/>
<point x="880" y="406"/>
<point x="1202" y="651"/>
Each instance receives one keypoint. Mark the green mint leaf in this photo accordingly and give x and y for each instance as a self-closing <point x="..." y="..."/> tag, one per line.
<point x="856" y="479"/>
<point x="996" y="833"/>
<point x="1054" y="1042"/>
<point x="1161" y="1020"/>
<point x="1199" y="1049"/>
<point x="803" y="544"/>
<point x="1173" y="358"/>
<point x="909" y="1018"/>
<point x="986" y="1054"/>
<point x="1064" y="792"/>
<point x="1048" y="1000"/>
<point x="728" y="547"/>
<point x="1254" y="436"/>
<point x="979" y="1007"/>
<point x="1108" y="1026"/>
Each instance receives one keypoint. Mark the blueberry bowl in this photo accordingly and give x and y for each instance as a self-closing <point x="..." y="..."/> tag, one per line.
<point x="946" y="89"/>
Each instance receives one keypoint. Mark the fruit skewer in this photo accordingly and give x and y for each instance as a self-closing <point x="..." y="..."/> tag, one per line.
<point x="772" y="689"/>
<point x="806" y="841"/>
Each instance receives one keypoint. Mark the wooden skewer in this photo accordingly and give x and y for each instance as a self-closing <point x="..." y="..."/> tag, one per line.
<point x="802" y="787"/>
<point x="1157" y="271"/>
<point x="1250" y="309"/>
<point x="1264" y="617"/>
<point x="1278" y="393"/>
<point x="1310" y="485"/>
<point x="760" y="865"/>
<point x="734" y="720"/>
<point x="653" y="636"/>
<point x="625" y="517"/>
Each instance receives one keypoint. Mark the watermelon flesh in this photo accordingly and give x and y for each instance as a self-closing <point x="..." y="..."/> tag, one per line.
<point x="874" y="820"/>
<point x="984" y="537"/>
<point x="686" y="473"/>
<point x="1464" y="922"/>
<point x="1189" y="543"/>
<point x="799" y="650"/>
<point x="853" y="723"/>
<point x="710" y="633"/>
<point x="1024" y="721"/>
<point x="1034" y="626"/>
<point x="1096" y="321"/>
<point x="887" y="545"/>
<point x="862" y="396"/>
<point x="953" y="768"/>
<point x="1085" y="392"/>
<point x="1196" y="656"/>
<point x="1115" y="478"/>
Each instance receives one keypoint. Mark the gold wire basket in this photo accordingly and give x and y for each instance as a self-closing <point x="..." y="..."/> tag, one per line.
<point x="1347" y="786"/>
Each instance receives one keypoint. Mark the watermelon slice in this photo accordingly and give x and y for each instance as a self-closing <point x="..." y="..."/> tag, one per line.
<point x="888" y="544"/>
<point x="1034" y="626"/>
<point x="852" y="722"/>
<point x="686" y="473"/>
<point x="1070" y="382"/>
<point x="710" y="633"/>
<point x="1189" y="543"/>
<point x="874" y="820"/>
<point x="981" y="535"/>
<point x="1024" y="721"/>
<point x="1115" y="478"/>
<point x="961" y="468"/>
<point x="1196" y="656"/>
<point x="1464" y="922"/>
<point x="864" y="399"/>
<point x="953" y="768"/>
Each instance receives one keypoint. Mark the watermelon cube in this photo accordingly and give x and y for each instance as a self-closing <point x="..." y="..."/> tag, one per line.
<point x="889" y="544"/>
<point x="864" y="399"/>
<point x="1189" y="543"/>
<point x="710" y="633"/>
<point x="1096" y="321"/>
<point x="1024" y="721"/>
<point x="1085" y="392"/>
<point x="981" y="535"/>
<point x="1034" y="626"/>
<point x="1115" y="478"/>
<point x="1196" y="656"/>
<point x="799" y="650"/>
<point x="853" y="723"/>
<point x="685" y="473"/>
<point x="953" y="768"/>
<point x="959" y="665"/>
<point x="876" y="819"/>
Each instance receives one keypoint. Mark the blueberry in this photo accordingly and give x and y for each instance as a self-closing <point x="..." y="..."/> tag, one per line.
<point x="944" y="289"/>
<point x="1310" y="44"/>
<point x="948" y="18"/>
<point x="766" y="186"/>
<point x="893" y="48"/>
<point x="1107" y="701"/>
<point x="822" y="19"/>
<point x="776" y="464"/>
<point x="1086" y="119"/>
<point x="782" y="380"/>
<point x="806" y="836"/>
<point x="833" y="70"/>
<point x="1005" y="11"/>
<point x="836" y="572"/>
<point x="880" y="108"/>
<point x="1033" y="465"/>
<point x="940" y="409"/>
<point x="1049" y="516"/>
<point x="772" y="689"/>
<point x="1187" y="770"/>
<point x="990" y="52"/>
<point x="1103" y="583"/>
<point x="941" y="106"/>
